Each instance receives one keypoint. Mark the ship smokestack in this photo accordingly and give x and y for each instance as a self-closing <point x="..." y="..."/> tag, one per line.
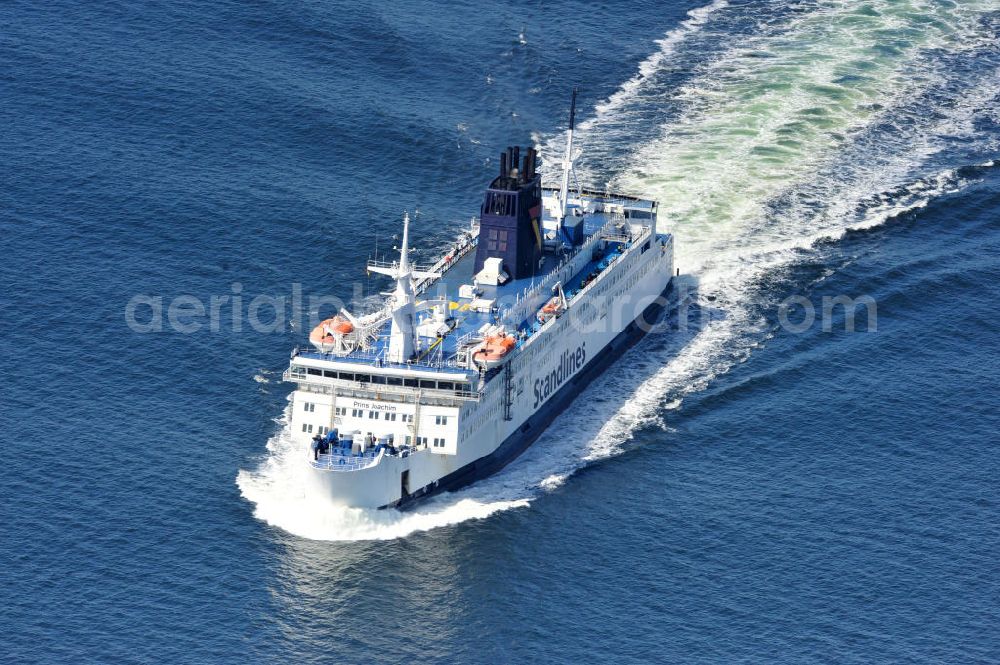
<point x="512" y="207"/>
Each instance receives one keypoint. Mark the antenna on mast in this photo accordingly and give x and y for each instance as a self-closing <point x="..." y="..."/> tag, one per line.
<point x="567" y="160"/>
<point x="404" y="250"/>
<point x="402" y="338"/>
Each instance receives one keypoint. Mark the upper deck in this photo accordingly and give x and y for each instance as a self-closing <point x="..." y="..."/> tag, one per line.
<point x="449" y="322"/>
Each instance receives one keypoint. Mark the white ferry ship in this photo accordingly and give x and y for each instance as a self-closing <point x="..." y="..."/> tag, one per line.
<point x="469" y="360"/>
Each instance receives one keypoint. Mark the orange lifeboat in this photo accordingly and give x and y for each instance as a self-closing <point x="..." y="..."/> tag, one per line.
<point x="552" y="308"/>
<point x="328" y="335"/>
<point x="494" y="349"/>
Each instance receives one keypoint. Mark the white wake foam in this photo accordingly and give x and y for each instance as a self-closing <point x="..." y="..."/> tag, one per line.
<point x="696" y="19"/>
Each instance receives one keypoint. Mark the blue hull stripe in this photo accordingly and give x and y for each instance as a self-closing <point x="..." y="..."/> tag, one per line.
<point x="533" y="427"/>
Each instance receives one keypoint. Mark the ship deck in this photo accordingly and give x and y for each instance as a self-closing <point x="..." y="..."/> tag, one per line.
<point x="436" y="352"/>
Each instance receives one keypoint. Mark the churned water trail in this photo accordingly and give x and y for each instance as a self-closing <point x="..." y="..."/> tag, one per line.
<point x="835" y="116"/>
<point x="695" y="21"/>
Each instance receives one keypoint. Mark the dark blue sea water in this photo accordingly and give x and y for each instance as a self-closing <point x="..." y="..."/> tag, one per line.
<point x="732" y="491"/>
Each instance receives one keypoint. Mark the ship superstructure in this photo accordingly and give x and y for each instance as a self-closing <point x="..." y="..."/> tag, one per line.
<point x="470" y="359"/>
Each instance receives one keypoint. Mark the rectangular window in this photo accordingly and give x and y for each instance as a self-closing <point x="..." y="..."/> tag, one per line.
<point x="308" y="406"/>
<point x="411" y="383"/>
<point x="378" y="379"/>
<point x="346" y="376"/>
<point x="390" y="416"/>
<point x="394" y="381"/>
<point x="362" y="378"/>
<point x="440" y="420"/>
<point x="373" y="415"/>
<point x="341" y="411"/>
<point x="407" y="417"/>
<point x="438" y="443"/>
<point x="357" y="413"/>
<point x="408" y="440"/>
<point x="429" y="385"/>
<point x="307" y="428"/>
<point x="329" y="373"/>
<point x="314" y="371"/>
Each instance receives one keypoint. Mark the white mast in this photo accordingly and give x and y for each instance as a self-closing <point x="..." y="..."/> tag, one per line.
<point x="402" y="337"/>
<point x="567" y="161"/>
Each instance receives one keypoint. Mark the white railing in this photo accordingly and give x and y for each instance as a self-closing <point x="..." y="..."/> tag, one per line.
<point x="447" y="261"/>
<point x="348" y="462"/>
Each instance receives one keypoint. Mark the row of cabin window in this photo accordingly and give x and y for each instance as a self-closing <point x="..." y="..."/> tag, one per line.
<point x="387" y="380"/>
<point x="376" y="415"/>
<point x="422" y="441"/>
<point x="385" y="415"/>
<point x="306" y="427"/>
